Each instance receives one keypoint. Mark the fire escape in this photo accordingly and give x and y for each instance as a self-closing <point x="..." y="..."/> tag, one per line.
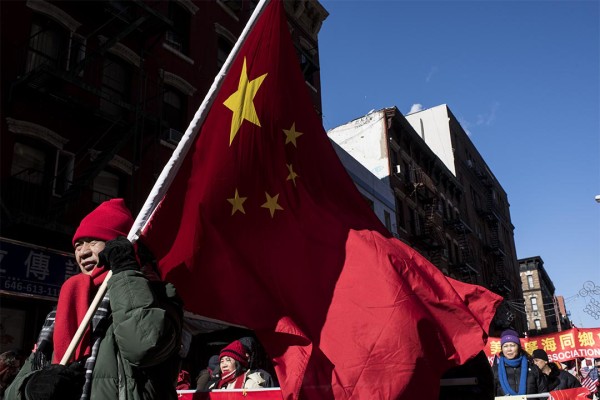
<point x="429" y="236"/>
<point x="68" y="81"/>
<point x="491" y="214"/>
<point x="462" y="268"/>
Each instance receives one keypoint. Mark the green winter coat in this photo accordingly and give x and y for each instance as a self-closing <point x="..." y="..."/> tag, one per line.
<point x="138" y="357"/>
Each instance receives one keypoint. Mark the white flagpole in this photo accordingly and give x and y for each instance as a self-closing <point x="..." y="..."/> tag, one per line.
<point x="169" y="171"/>
<point x="172" y="167"/>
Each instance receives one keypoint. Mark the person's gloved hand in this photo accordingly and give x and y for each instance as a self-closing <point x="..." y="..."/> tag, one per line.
<point x="119" y="255"/>
<point x="56" y="382"/>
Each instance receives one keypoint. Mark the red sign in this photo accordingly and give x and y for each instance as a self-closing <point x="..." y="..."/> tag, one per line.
<point x="232" y="394"/>
<point x="560" y="346"/>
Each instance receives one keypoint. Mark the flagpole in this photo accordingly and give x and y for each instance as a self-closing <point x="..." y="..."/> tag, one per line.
<point x="168" y="173"/>
<point x="172" y="167"/>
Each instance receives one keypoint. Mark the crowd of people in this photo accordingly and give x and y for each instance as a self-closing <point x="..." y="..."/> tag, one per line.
<point x="518" y="373"/>
<point x="132" y="348"/>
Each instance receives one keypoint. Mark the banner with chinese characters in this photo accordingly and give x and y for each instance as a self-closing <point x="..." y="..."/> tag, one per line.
<point x="560" y="346"/>
<point x="26" y="269"/>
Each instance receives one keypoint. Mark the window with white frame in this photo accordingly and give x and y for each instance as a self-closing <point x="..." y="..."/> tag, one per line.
<point x="28" y="163"/>
<point x="534" y="304"/>
<point x="538" y="324"/>
<point x="530" y="282"/>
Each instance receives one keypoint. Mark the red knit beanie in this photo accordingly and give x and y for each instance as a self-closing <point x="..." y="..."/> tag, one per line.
<point x="236" y="351"/>
<point x="108" y="221"/>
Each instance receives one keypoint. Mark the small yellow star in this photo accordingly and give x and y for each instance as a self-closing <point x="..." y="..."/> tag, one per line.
<point x="271" y="204"/>
<point x="291" y="135"/>
<point x="238" y="203"/>
<point x="292" y="176"/>
<point x="241" y="102"/>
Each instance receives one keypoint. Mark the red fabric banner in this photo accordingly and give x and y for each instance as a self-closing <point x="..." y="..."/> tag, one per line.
<point x="560" y="346"/>
<point x="251" y="394"/>
<point x="570" y="394"/>
<point x="262" y="227"/>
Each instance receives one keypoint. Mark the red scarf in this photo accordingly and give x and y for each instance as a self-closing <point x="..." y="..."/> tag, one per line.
<point x="74" y="300"/>
<point x="239" y="380"/>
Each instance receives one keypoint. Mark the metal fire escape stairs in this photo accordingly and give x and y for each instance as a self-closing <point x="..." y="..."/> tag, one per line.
<point x="46" y="77"/>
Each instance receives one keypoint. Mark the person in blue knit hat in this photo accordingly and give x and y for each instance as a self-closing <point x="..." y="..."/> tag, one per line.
<point x="514" y="373"/>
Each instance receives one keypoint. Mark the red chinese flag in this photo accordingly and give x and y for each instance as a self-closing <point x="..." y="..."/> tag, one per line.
<point x="262" y="227"/>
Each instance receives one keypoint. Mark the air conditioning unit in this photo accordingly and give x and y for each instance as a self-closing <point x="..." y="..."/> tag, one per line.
<point x="173" y="136"/>
<point x="397" y="169"/>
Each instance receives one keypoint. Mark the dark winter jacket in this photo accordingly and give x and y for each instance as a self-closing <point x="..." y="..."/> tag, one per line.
<point x="536" y="380"/>
<point x="138" y="357"/>
<point x="559" y="379"/>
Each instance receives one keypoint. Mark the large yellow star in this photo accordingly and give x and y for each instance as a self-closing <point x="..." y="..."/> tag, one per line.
<point x="292" y="176"/>
<point x="237" y="202"/>
<point x="241" y="102"/>
<point x="271" y="204"/>
<point x="291" y="135"/>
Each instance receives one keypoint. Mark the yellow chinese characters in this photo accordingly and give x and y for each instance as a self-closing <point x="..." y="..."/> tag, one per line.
<point x="549" y="344"/>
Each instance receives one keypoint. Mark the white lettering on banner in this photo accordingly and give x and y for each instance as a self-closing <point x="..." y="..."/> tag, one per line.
<point x="567" y="355"/>
<point x="570" y="354"/>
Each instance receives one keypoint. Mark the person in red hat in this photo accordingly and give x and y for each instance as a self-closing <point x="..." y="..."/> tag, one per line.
<point x="233" y="361"/>
<point x="130" y="349"/>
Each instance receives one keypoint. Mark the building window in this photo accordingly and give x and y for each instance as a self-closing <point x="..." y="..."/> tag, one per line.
<point x="178" y="36"/>
<point x="174" y="109"/>
<point x="538" y="324"/>
<point x="105" y="187"/>
<point x="415" y="222"/>
<point x="306" y="55"/>
<point x="28" y="164"/>
<point x="369" y="202"/>
<point x="388" y="220"/>
<point x="534" y="305"/>
<point x="400" y="214"/>
<point x="530" y="281"/>
<point x="224" y="47"/>
<point x="63" y="173"/>
<point x="47" y="44"/>
<point x="116" y="81"/>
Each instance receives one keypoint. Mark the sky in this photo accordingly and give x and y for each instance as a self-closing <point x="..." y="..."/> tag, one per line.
<point x="522" y="77"/>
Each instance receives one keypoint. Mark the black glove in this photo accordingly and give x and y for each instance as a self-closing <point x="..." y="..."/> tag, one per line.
<point x="119" y="255"/>
<point x="56" y="382"/>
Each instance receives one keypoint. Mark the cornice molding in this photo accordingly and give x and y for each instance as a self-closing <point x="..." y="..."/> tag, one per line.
<point x="37" y="131"/>
<point x="43" y="7"/>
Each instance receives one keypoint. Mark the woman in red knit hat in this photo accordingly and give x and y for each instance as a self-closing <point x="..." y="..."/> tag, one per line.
<point x="234" y="369"/>
<point x="130" y="349"/>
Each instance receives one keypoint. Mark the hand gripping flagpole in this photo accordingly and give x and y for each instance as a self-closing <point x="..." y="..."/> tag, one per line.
<point x="169" y="171"/>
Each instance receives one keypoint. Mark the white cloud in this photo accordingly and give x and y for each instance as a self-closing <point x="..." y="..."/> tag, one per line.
<point x="415" y="108"/>
<point x="432" y="71"/>
<point x="489" y="117"/>
<point x="466" y="125"/>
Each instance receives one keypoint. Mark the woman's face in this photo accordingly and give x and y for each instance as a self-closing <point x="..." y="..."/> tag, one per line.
<point x="510" y="350"/>
<point x="227" y="365"/>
